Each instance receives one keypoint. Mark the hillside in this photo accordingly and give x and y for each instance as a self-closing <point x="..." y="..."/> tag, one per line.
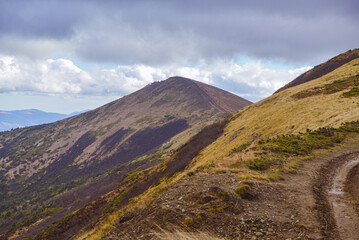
<point x="274" y="171"/>
<point x="323" y="68"/>
<point x="319" y="103"/>
<point x="50" y="170"/>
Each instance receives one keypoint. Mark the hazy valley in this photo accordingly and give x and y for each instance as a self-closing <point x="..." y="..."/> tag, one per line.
<point x="24" y="118"/>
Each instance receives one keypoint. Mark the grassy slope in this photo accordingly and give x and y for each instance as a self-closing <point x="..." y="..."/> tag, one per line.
<point x="276" y="115"/>
<point x="322" y="69"/>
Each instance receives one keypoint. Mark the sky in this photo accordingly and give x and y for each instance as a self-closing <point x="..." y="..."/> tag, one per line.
<point x="70" y="55"/>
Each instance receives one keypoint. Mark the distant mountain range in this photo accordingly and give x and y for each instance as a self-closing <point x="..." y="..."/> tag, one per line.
<point x="29" y="117"/>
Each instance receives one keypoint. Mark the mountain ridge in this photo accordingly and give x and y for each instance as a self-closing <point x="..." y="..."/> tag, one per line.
<point x="140" y="105"/>
<point x="322" y="69"/>
<point x="40" y="163"/>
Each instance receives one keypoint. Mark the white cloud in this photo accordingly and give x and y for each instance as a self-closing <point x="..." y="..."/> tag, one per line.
<point x="49" y="76"/>
<point x="62" y="76"/>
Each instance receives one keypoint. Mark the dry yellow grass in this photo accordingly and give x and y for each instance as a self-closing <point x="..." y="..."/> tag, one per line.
<point x="138" y="202"/>
<point x="180" y="235"/>
<point x="282" y="114"/>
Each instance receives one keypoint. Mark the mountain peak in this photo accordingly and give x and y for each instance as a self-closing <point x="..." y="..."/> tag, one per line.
<point x="118" y="137"/>
<point x="178" y="78"/>
<point x="182" y="95"/>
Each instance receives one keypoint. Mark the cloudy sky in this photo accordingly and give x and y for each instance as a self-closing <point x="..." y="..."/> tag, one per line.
<point x="65" y="56"/>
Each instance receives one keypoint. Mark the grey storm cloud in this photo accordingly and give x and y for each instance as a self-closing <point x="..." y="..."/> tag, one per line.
<point x="43" y="19"/>
<point x="160" y="32"/>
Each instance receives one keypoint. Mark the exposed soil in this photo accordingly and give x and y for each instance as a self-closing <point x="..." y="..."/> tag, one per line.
<point x="335" y="206"/>
<point x="352" y="185"/>
<point x="344" y="212"/>
<point x="318" y="202"/>
<point x="208" y="203"/>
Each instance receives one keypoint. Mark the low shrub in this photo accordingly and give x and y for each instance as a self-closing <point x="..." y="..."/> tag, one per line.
<point x="223" y="195"/>
<point x="274" y="176"/>
<point x="286" y="152"/>
<point x="188" y="221"/>
<point x="352" y="93"/>
<point x="261" y="163"/>
<point x="241" y="147"/>
<point x="330" y="88"/>
<point x="245" y="191"/>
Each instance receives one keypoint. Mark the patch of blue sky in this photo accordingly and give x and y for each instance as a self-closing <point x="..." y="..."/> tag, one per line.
<point x="274" y="64"/>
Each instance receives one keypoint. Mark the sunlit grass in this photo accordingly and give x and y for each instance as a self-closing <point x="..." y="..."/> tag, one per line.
<point x="181" y="235"/>
<point x="281" y="114"/>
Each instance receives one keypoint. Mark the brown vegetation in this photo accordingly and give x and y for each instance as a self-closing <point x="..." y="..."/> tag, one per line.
<point x="48" y="161"/>
<point x="90" y="214"/>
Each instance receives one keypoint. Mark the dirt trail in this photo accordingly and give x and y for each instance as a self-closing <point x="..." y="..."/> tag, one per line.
<point x="320" y="201"/>
<point x="345" y="216"/>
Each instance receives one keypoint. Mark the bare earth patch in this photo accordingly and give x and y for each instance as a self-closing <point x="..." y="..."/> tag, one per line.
<point x="300" y="207"/>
